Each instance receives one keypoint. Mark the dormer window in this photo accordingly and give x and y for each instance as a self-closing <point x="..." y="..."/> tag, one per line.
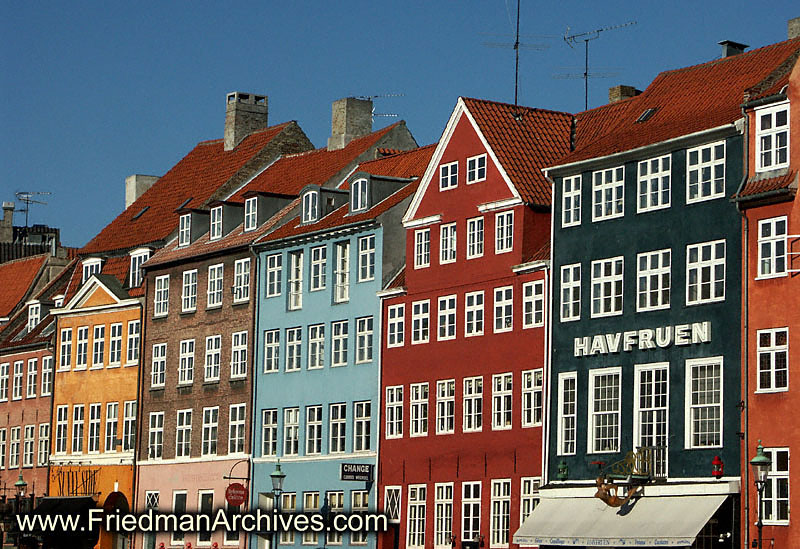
<point x="138" y="257"/>
<point x="185" y="230"/>
<point x="215" y="232"/>
<point x="772" y="137"/>
<point x="91" y="266"/>
<point x="58" y="301"/>
<point x="250" y="213"/>
<point x="358" y="195"/>
<point x="310" y="206"/>
<point x="34" y="315"/>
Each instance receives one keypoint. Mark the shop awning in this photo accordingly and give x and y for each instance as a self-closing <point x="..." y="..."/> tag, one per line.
<point x="663" y="521"/>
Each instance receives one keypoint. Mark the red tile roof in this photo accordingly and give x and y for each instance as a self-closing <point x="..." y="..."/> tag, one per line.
<point x="686" y="101"/>
<point x="196" y="176"/>
<point x="758" y="186"/>
<point x="16" y="279"/>
<point x="525" y="140"/>
<point x="542" y="254"/>
<point x="399" y="280"/>
<point x="405" y="164"/>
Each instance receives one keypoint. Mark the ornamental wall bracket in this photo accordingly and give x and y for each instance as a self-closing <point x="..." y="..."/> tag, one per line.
<point x="632" y="472"/>
<point x="608" y="492"/>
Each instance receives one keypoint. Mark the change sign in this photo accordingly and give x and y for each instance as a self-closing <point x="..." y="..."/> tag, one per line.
<point x="362" y="472"/>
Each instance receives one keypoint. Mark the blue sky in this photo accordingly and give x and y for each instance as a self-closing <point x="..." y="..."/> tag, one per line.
<point x="95" y="91"/>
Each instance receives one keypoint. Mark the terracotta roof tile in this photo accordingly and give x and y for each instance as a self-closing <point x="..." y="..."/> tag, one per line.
<point x="542" y="254"/>
<point x="525" y="140"/>
<point x="757" y="186"/>
<point x="399" y="280"/>
<point x="405" y="164"/>
<point x="16" y="278"/>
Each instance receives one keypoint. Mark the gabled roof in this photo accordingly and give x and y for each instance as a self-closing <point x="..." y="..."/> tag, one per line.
<point x="17" y="278"/>
<point x="686" y="101"/>
<point x="755" y="187"/>
<point x="201" y="172"/>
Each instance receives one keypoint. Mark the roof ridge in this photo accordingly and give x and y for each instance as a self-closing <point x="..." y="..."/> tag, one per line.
<point x="254" y="132"/>
<point x="537" y="109"/>
<point x="401" y="153"/>
<point x="26" y="258"/>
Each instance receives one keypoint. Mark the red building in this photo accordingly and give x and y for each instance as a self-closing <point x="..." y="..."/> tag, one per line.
<point x="464" y="333"/>
<point x="771" y="316"/>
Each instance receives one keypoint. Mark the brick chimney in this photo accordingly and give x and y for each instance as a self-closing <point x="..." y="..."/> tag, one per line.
<point x="730" y="48"/>
<point x="794" y="27"/>
<point x="7" y="224"/>
<point x="244" y="114"/>
<point x="136" y="185"/>
<point x="618" y="93"/>
<point x="351" y="118"/>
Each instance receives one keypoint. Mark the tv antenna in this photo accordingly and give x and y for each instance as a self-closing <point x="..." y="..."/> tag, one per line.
<point x="572" y="39"/>
<point x="27" y="197"/>
<point x="371" y="97"/>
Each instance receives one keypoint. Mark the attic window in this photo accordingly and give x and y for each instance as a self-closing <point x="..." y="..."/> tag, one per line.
<point x="310" y="206"/>
<point x="91" y="266"/>
<point x="645" y="116"/>
<point x="185" y="202"/>
<point x="34" y="314"/>
<point x="185" y="230"/>
<point x="250" y="213"/>
<point x="216" y="223"/>
<point x="358" y="195"/>
<point x="141" y="212"/>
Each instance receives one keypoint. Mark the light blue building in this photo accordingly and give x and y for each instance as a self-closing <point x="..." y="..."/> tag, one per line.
<point x="316" y="386"/>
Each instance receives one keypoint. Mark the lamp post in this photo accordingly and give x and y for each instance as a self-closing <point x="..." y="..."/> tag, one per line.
<point x="19" y="492"/>
<point x="761" y="464"/>
<point x="277" y="477"/>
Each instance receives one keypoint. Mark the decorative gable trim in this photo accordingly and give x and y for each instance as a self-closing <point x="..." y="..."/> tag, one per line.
<point x="430" y="220"/>
<point x="87" y="290"/>
<point x="499" y="205"/>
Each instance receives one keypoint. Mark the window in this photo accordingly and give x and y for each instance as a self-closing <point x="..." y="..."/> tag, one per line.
<point x="91" y="266"/>
<point x="98" y="345"/>
<point x="532" y="385"/>
<point x="294" y="343"/>
<point x="473" y="404"/>
<point x="705" y="272"/>
<point x="3" y="448"/>
<point x="570" y="292"/>
<point x="474" y="237"/>
<point x="210" y="430"/>
<point x="13" y="449"/>
<point x="358" y="195"/>
<point x="340" y="330"/>
<point x="272" y="346"/>
<point x="776" y="490"/>
<point x="447" y="243"/>
<point x="470" y="511"/>
<point x="567" y="412"/>
<point x="159" y="365"/>
<point x="274" y="268"/>
<point x="445" y="406"/>
<point x="251" y="213"/>
<point x="241" y="280"/>
<point x="338" y="428"/>
<point x="394" y="412"/>
<point x="269" y="432"/>
<point x="529" y="497"/>
<point x="422" y="248"/>
<point x="129" y="426"/>
<point x="78" y="417"/>
<point x="571" y="201"/>
<point x="185" y="230"/>
<point x="178" y="508"/>
<point x="335" y="505"/>
<point x="161" y="296"/>
<point x="115" y="344"/>
<point x="504" y="232"/>
<point x="156" y="435"/>
<point x="448" y="176"/>
<point x="396" y="325"/>
<point x="310" y="206"/>
<point x="366" y="258"/>
<point x="502" y="385"/>
<point x="186" y="364"/>
<point x="772" y="137"/>
<point x="653" y="273"/>
<point x="363" y="340"/>
<point x="4" y="382"/>
<point x="183" y="433"/>
<point x="213" y="346"/>
<point x="112" y="422"/>
<point x="476" y="168"/>
<point x="607" y="287"/>
<point x="43" y="451"/>
<point x="704" y="402"/>
<point x="206" y="506"/>
<point x="772" y="247"/>
<point x="236" y="422"/>
<point x="342" y="274"/>
<point x="316" y="346"/>
<point x="82" y="348"/>
<point x="533" y="304"/>
<point x="16" y="391"/>
<point x="93" y="443"/>
<point x="604" y="410"/>
<point x="319" y="260"/>
<point x="62" y="418"/>
<point x="362" y="426"/>
<point x="137" y="260"/>
<point x="47" y="375"/>
<point x="238" y="355"/>
<point x="503" y="309"/>
<point x="288" y="505"/>
<point x="651" y="412"/>
<point x="473" y="314"/>
<point x="447" y="318"/>
<point x="134" y="331"/>
<point x="443" y="514"/>
<point x="416" y="515"/>
<point x="773" y="359"/>
<point x="608" y="192"/>
<point x="419" y="409"/>
<point x="654" y="184"/>
<point x="359" y="503"/>
<point x="65" y="349"/>
<point x="215" y="285"/>
<point x="34" y="313"/>
<point x="501" y="512"/>
<point x="705" y="172"/>
<point x="31" y="381"/>
<point x="420" y="321"/>
<point x="313" y="430"/>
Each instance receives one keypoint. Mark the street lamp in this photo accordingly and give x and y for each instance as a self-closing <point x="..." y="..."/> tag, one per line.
<point x="20" y="486"/>
<point x="277" y="477"/>
<point x="761" y="464"/>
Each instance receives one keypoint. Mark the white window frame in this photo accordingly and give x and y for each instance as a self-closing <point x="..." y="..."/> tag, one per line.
<point x="112" y="426"/>
<point x="533" y="304"/>
<point x="417" y="510"/>
<point x="28" y="445"/>
<point x="310" y="209"/>
<point x="690" y="407"/>
<point x="595" y="416"/>
<point x="216" y="275"/>
<point x="78" y="418"/>
<point x="447" y="243"/>
<point x="366" y="258"/>
<point x="571" y="201"/>
<point x="250" y="213"/>
<point x="529" y="496"/>
<point x="186" y="362"/>
<point x="93" y="436"/>
<point x="362" y="426"/>
<point x="31" y="381"/>
<point x="448" y="176"/>
<point x="340" y="333"/>
<point x="475" y="234"/>
<point x="241" y="280"/>
<point x="185" y="230"/>
<point x="473" y="313"/>
<point x="476" y="169"/>
<point x="183" y="433"/>
<point x="500" y="512"/>
<point x="132" y="343"/>
<point x="653" y="280"/>
<point x="4" y="381"/>
<point x="213" y="360"/>
<point x="17" y="380"/>
<point x="158" y="365"/>
<point x="696" y="165"/>
<point x="471" y="510"/>
<point x="34" y="314"/>
<point x="395" y="325"/>
<point x="775" y="477"/>
<point x="316" y="346"/>
<point x="294" y="349"/>
<point x="607" y="286"/>
<point x="532" y="397"/>
<point x="394" y="411"/>
<point x="62" y="430"/>
<point x="237" y="420"/>
<point x="445" y="406"/>
<point x="503" y="232"/>
<point x="313" y="430"/>
<point x="14" y="442"/>
<point x="608" y="194"/>
<point x="654" y="184"/>
<point x="161" y="296"/>
<point x="655" y="412"/>
<point x="65" y="349"/>
<point x="570" y="292"/>
<point x="91" y="266"/>
<point x="47" y="376"/>
<point x="762" y="149"/>
<point x="273" y="280"/>
<point x="269" y="432"/>
<point x="177" y="536"/>
<point x="700" y="265"/>
<point x="772" y="352"/>
<point x="239" y="354"/>
<point x="422" y="248"/>
<point x="341" y="275"/>
<point x="115" y="344"/>
<point x="189" y="291"/>
<point x="503" y="320"/>
<point x="446" y="312"/>
<point x="272" y="351"/>
<point x="215" y="223"/>
<point x="443" y="515"/>
<point x="129" y="425"/>
<point x="418" y="410"/>
<point x="358" y="195"/>
<point x="472" y="405"/>
<point x="319" y="263"/>
<point x="772" y="247"/>
<point x="43" y="450"/>
<point x="420" y="321"/>
<point x="364" y="339"/>
<point x="98" y="345"/>
<point x="210" y="432"/>
<point x="502" y="401"/>
<point x="337" y="427"/>
<point x="567" y="413"/>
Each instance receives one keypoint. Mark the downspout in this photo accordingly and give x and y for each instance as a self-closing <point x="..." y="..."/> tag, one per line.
<point x="548" y="344"/>
<point x="139" y="408"/>
<point x="254" y="277"/>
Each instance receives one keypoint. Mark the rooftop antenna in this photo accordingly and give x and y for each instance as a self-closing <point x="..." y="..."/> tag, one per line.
<point x="571" y="40"/>
<point x="371" y="97"/>
<point x="28" y="198"/>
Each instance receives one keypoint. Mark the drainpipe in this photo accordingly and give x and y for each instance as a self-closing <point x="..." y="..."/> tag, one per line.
<point x="548" y="345"/>
<point x="254" y="415"/>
